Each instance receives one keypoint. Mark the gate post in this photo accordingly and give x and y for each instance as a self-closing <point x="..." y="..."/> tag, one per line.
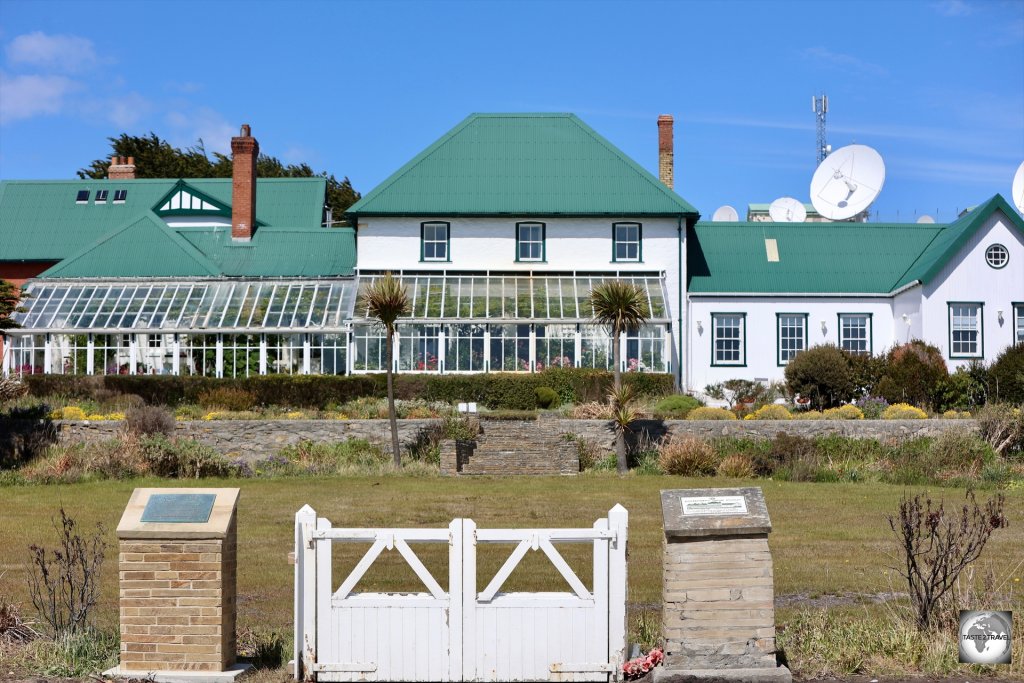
<point x="618" y="521"/>
<point x="305" y="593"/>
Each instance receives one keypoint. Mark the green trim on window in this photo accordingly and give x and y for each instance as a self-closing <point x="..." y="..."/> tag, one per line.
<point x="743" y="330"/>
<point x="448" y="242"/>
<point x="639" y="242"/>
<point x="543" y="242"/>
<point x="871" y="330"/>
<point x="778" y="336"/>
<point x="981" y="328"/>
<point x="1018" y="314"/>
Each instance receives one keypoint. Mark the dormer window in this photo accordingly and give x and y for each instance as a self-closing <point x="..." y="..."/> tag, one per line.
<point x="120" y="196"/>
<point x="101" y="196"/>
<point x="83" y="197"/>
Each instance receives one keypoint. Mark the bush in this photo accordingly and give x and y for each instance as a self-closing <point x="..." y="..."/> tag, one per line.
<point x="965" y="389"/>
<point x="687" y="456"/>
<point x="872" y="406"/>
<point x="1002" y="427"/>
<point x="705" y="413"/>
<point x="68" y="413"/>
<point x="847" y="412"/>
<point x="903" y="411"/>
<point x="1007" y="375"/>
<point x="10" y="389"/>
<point x="808" y="415"/>
<point x="771" y="412"/>
<point x="227" y="398"/>
<point x="913" y="373"/>
<point x="823" y="374"/>
<point x="677" y="406"/>
<point x="546" y="397"/>
<point x="737" y="467"/>
<point x="183" y="458"/>
<point x="149" y="420"/>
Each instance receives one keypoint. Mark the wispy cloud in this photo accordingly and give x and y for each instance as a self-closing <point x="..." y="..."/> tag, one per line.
<point x="963" y="172"/>
<point x="848" y="63"/>
<point x="55" y="53"/>
<point x="127" y="110"/>
<point x="203" y="124"/>
<point x="747" y="122"/>
<point x="953" y="8"/>
<point x="31" y="95"/>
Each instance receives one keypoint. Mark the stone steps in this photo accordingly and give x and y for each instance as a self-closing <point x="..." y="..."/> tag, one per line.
<point x="517" y="447"/>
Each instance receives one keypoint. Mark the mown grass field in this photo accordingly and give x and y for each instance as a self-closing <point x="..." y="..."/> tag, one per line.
<point x="828" y="538"/>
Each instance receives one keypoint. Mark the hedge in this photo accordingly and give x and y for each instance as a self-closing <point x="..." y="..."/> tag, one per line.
<point x="496" y="391"/>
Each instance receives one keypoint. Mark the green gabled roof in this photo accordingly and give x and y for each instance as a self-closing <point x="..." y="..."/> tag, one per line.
<point x="40" y="220"/>
<point x="273" y="252"/>
<point x="521" y="164"/>
<point x="145" y="247"/>
<point x="825" y="258"/>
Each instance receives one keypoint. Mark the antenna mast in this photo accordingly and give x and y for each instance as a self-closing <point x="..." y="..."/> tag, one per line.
<point x="820" y="107"/>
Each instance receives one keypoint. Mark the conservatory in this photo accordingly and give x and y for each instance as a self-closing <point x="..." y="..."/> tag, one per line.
<point x="459" y="322"/>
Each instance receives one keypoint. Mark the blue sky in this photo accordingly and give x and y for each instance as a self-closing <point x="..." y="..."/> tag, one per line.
<point x="358" y="88"/>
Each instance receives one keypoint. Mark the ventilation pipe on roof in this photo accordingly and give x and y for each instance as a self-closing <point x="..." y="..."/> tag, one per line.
<point x="121" y="168"/>
<point x="666" y="154"/>
<point x="244" y="153"/>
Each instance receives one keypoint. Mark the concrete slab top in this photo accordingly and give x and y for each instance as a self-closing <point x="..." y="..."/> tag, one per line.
<point x="691" y="513"/>
<point x="178" y="513"/>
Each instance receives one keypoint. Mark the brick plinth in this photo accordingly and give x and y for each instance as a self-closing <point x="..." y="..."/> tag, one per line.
<point x="178" y="603"/>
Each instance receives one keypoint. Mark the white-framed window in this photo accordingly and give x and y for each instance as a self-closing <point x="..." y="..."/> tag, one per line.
<point x="1018" y="323"/>
<point x="530" y="241"/>
<point x="82" y="197"/>
<point x="728" y="338"/>
<point x="792" y="335"/>
<point x="101" y="196"/>
<point x="434" y="239"/>
<point x="965" y="330"/>
<point x="120" y="196"/>
<point x="997" y="256"/>
<point x="855" y="332"/>
<point x="626" y="238"/>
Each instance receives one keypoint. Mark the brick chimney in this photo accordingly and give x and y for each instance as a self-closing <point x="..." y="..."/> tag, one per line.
<point x="121" y="168"/>
<point x="244" y="153"/>
<point x="666" y="155"/>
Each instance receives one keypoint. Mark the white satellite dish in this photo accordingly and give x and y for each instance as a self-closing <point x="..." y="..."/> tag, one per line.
<point x="847" y="181"/>
<point x="787" y="210"/>
<point x="725" y="214"/>
<point x="926" y="219"/>
<point x="1017" y="191"/>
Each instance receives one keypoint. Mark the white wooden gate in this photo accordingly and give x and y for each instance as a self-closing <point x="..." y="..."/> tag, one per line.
<point x="459" y="634"/>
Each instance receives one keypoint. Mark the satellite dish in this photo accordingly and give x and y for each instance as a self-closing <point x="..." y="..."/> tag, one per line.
<point x="725" y="214"/>
<point x="1017" y="192"/>
<point x="787" y="210"/>
<point x="926" y="219"/>
<point x="847" y="181"/>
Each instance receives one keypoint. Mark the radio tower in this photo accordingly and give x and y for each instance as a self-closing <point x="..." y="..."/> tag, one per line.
<point x="820" y="107"/>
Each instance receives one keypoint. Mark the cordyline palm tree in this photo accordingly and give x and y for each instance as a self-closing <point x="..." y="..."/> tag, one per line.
<point x="387" y="300"/>
<point x="623" y="307"/>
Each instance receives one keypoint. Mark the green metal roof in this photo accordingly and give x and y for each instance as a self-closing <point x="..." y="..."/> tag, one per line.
<point x="521" y="164"/>
<point x="825" y="258"/>
<point x="41" y="221"/>
<point x="273" y="252"/>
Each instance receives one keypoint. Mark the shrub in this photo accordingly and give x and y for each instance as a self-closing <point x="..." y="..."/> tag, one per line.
<point x="343" y="457"/>
<point x="1007" y="375"/>
<point x="808" y="415"/>
<point x="68" y="413"/>
<point x="1002" y="426"/>
<point x="847" y="412"/>
<point x="227" y="398"/>
<point x="546" y="397"/>
<point x="912" y="374"/>
<point x="592" y="410"/>
<point x="705" y="413"/>
<point x="687" y="456"/>
<point x="872" y="406"/>
<point x="183" y="458"/>
<point x="149" y="420"/>
<point x="736" y="466"/>
<point x="10" y="389"/>
<point x="823" y="374"/>
<point x="796" y="457"/>
<point x="771" y="412"/>
<point x="676" y="406"/>
<point x="903" y="411"/>
<point x="965" y="389"/>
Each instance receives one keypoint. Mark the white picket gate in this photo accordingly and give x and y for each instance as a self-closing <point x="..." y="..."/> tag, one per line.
<point x="459" y="634"/>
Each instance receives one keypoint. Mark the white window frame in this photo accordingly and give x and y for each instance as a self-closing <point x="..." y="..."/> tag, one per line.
<point x="789" y="353"/>
<point x="844" y="339"/>
<point x="958" y="310"/>
<point x="627" y="243"/>
<point x="740" y="339"/>
<point x="520" y="242"/>
<point x="439" y="243"/>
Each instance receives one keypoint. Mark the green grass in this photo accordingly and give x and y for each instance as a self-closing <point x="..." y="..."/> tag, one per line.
<point x="827" y="538"/>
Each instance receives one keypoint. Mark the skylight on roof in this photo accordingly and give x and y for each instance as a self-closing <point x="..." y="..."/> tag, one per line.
<point x="120" y="195"/>
<point x="83" y="197"/>
<point x="101" y="196"/>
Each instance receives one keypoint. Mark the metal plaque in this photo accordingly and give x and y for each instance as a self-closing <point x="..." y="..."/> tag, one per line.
<point x="179" y="508"/>
<point x="714" y="505"/>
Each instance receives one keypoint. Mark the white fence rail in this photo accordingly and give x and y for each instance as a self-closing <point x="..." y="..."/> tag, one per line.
<point x="459" y="634"/>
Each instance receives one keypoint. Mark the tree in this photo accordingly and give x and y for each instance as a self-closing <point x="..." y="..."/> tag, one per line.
<point x="623" y="307"/>
<point x="386" y="299"/>
<point x="9" y="297"/>
<point x="157" y="158"/>
<point x="823" y="374"/>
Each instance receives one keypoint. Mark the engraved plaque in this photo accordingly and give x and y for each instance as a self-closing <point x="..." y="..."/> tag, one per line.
<point x="714" y="505"/>
<point x="179" y="508"/>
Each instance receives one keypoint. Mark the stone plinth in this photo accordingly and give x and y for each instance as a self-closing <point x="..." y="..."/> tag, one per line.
<point x="718" y="617"/>
<point x="177" y="568"/>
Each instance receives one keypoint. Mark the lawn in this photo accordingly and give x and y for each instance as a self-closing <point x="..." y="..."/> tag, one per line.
<point x="828" y="538"/>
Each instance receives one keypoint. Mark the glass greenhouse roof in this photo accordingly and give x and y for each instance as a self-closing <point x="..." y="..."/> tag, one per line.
<point x="213" y="305"/>
<point x="529" y="296"/>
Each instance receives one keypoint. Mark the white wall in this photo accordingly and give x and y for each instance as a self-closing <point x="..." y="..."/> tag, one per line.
<point x="906" y="303"/>
<point x="968" y="278"/>
<point x="761" y="331"/>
